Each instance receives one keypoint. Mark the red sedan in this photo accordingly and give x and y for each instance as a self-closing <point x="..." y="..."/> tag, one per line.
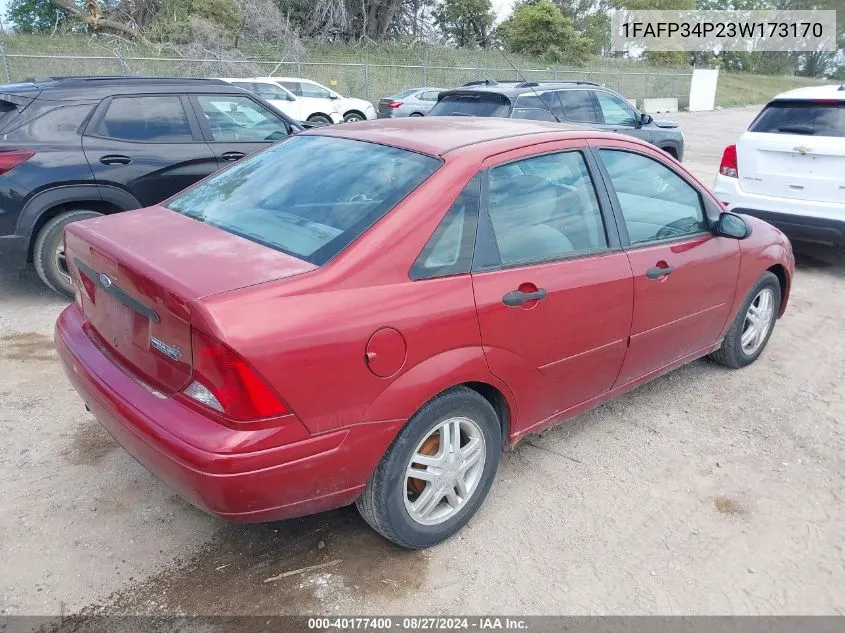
<point x="371" y="313"/>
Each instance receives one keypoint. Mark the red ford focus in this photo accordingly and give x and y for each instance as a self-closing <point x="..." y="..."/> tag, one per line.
<point x="371" y="313"/>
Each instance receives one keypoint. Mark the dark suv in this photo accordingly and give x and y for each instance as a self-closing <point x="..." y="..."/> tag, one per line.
<point x="78" y="147"/>
<point x="582" y="102"/>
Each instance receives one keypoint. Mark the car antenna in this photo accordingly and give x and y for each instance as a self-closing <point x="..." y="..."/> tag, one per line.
<point x="528" y="83"/>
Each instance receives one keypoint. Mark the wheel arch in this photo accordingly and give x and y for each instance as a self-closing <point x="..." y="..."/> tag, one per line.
<point x="318" y="114"/>
<point x="46" y="205"/>
<point x="420" y="384"/>
<point x="779" y="271"/>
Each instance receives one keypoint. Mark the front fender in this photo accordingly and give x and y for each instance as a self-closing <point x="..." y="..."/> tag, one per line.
<point x="421" y="383"/>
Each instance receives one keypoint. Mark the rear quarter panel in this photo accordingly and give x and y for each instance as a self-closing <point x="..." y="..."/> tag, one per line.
<point x="308" y="335"/>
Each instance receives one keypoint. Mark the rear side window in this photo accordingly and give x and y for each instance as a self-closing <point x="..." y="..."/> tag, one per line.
<point x="56" y="124"/>
<point x="311" y="209"/>
<point x="270" y="91"/>
<point x="577" y="105"/>
<point x="7" y="112"/>
<point x="472" y="105"/>
<point x="147" y="119"/>
<point x="813" y="118"/>
<point x="450" y="249"/>
<point x="293" y="86"/>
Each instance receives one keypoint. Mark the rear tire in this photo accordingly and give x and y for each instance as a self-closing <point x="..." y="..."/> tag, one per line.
<point x="48" y="251"/>
<point x="750" y="332"/>
<point x="320" y="118"/>
<point x="395" y="505"/>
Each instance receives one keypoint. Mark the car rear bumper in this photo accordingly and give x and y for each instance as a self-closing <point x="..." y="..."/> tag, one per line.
<point x="13" y="252"/>
<point x="799" y="219"/>
<point x="203" y="461"/>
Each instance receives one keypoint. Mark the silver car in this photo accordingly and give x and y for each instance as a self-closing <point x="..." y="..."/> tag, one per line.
<point x="412" y="102"/>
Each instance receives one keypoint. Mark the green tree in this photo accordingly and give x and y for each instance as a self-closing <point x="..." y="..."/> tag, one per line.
<point x="539" y="28"/>
<point x="466" y="22"/>
<point x="36" y="16"/>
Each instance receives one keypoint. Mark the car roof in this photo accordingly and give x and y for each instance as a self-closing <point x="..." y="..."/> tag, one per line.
<point x="437" y="136"/>
<point x="88" y="87"/>
<point x="832" y="91"/>
<point x="514" y="89"/>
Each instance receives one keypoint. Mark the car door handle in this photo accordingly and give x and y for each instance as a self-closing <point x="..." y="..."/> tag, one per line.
<point x="658" y="272"/>
<point x="115" y="159"/>
<point x="233" y="156"/>
<point x="517" y="297"/>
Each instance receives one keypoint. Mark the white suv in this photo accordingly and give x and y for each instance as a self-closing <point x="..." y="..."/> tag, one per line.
<point x="789" y="167"/>
<point x="352" y="109"/>
<point x="299" y="108"/>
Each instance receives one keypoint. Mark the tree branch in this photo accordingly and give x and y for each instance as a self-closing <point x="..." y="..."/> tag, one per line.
<point x="96" y="21"/>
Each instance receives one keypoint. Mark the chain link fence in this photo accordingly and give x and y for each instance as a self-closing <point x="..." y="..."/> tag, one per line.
<point x="362" y="77"/>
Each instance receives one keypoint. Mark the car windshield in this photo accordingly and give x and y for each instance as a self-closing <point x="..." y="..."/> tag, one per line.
<point x="308" y="196"/>
<point x="472" y="105"/>
<point x="812" y="118"/>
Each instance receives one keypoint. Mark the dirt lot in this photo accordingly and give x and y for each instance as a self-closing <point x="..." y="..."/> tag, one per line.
<point x="707" y="491"/>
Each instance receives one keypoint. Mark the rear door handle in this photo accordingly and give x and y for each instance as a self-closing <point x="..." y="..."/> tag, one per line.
<point x="656" y="272"/>
<point x="232" y="156"/>
<point x="115" y="159"/>
<point x="517" y="297"/>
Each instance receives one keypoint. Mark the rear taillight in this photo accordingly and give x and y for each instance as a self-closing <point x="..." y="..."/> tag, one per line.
<point x="728" y="166"/>
<point x="11" y="158"/>
<point x="224" y="381"/>
<point x="394" y="104"/>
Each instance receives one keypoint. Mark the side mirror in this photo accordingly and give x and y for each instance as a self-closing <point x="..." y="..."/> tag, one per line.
<point x="334" y="95"/>
<point x="645" y="119"/>
<point x="733" y="226"/>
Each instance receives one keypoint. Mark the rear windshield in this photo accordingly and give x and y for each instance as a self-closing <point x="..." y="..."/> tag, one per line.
<point x="308" y="196"/>
<point x="404" y="93"/>
<point x="472" y="105"/>
<point x="813" y="118"/>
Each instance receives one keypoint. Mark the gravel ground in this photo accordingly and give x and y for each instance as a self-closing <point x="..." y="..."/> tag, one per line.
<point x="708" y="491"/>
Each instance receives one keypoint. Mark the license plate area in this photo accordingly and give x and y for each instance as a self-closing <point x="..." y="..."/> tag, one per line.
<point x="117" y="324"/>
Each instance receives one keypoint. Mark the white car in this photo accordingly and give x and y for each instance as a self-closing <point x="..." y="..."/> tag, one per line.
<point x="789" y="167"/>
<point x="298" y="108"/>
<point x="352" y="109"/>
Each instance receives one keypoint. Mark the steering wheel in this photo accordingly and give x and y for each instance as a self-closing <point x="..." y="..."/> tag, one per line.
<point x="676" y="228"/>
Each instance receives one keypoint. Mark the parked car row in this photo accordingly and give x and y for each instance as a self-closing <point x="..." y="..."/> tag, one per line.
<point x="536" y="269"/>
<point x="579" y="102"/>
<point x="307" y="100"/>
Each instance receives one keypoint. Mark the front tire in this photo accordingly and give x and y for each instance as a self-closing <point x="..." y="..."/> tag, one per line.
<point x="48" y="253"/>
<point x="753" y="326"/>
<point x="437" y="471"/>
<point x="352" y="117"/>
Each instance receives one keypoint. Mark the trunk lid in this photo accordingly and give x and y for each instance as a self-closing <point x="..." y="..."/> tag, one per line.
<point x="795" y="149"/>
<point x="141" y="272"/>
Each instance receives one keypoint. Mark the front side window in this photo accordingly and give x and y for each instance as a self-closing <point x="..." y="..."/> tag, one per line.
<point x="450" y="249"/>
<point x="235" y="118"/>
<point x="656" y="202"/>
<point x="812" y="118"/>
<point x="544" y="208"/>
<point x="615" y="110"/>
<point x="147" y="119"/>
<point x="315" y="91"/>
<point x="311" y="209"/>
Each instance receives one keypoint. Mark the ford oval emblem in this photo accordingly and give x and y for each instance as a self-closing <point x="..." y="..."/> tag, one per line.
<point x="105" y="280"/>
